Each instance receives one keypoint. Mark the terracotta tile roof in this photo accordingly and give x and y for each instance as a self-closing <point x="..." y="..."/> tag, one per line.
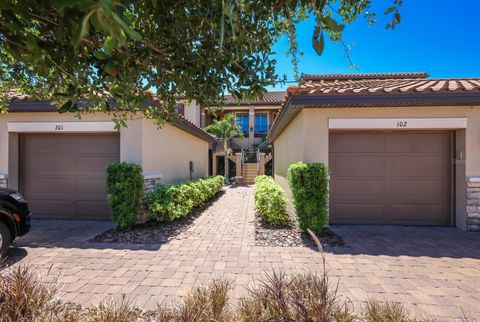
<point x="374" y="90"/>
<point x="313" y="77"/>
<point x="268" y="98"/>
<point x="17" y="97"/>
<point x="373" y="86"/>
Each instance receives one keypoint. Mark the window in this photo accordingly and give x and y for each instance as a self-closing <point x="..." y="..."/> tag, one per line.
<point x="242" y="122"/>
<point x="181" y="109"/>
<point x="261" y="124"/>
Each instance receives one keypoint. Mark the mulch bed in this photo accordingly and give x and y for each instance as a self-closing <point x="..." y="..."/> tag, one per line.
<point x="153" y="232"/>
<point x="290" y="235"/>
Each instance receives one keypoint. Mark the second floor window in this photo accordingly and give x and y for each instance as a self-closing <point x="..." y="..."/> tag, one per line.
<point x="181" y="109"/>
<point x="261" y="124"/>
<point x="242" y="122"/>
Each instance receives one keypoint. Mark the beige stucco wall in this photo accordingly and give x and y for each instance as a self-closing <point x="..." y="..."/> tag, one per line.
<point x="306" y="139"/>
<point x="165" y="151"/>
<point x="315" y="138"/>
<point x="192" y="112"/>
<point x="288" y="149"/>
<point x="313" y="134"/>
<point x="168" y="151"/>
<point x="35" y="117"/>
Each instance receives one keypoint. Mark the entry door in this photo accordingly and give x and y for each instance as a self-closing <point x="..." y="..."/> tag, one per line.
<point x="400" y="178"/>
<point x="64" y="175"/>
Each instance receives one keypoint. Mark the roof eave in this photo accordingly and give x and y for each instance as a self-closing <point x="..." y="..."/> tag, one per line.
<point x="45" y="106"/>
<point x="389" y="99"/>
<point x="295" y="104"/>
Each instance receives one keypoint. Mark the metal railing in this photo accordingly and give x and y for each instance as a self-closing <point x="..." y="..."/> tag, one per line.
<point x="250" y="156"/>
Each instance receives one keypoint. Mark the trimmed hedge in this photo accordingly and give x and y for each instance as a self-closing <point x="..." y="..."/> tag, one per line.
<point x="125" y="192"/>
<point x="173" y="201"/>
<point x="270" y="200"/>
<point x="309" y="184"/>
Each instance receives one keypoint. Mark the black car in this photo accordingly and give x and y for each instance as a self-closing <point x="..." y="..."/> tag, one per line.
<point x="14" y="218"/>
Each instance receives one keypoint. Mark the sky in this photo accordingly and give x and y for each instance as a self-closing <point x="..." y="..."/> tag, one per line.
<point x="439" y="37"/>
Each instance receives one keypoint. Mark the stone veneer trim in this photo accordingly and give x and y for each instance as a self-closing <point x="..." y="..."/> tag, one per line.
<point x="473" y="203"/>
<point x="3" y="180"/>
<point x="151" y="180"/>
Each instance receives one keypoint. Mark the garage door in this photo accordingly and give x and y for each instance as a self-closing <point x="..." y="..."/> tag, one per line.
<point x="63" y="175"/>
<point x="390" y="178"/>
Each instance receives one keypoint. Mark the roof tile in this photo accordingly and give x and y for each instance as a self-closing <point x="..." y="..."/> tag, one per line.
<point x="268" y="98"/>
<point x="372" y="90"/>
<point x="384" y="85"/>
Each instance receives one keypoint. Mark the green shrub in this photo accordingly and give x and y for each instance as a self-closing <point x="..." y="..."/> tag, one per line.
<point x="270" y="200"/>
<point x="173" y="201"/>
<point x="125" y="192"/>
<point x="309" y="184"/>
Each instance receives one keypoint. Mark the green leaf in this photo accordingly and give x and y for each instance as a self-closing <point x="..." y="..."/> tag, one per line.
<point x="126" y="27"/>
<point x="333" y="25"/>
<point x="390" y="10"/>
<point x="66" y="107"/>
<point x="61" y="5"/>
<point x="319" y="43"/>
<point x="33" y="48"/>
<point x="222" y="25"/>
<point x="102" y="55"/>
<point x="320" y="4"/>
<point x="109" y="44"/>
<point x="84" y="27"/>
<point x="396" y="18"/>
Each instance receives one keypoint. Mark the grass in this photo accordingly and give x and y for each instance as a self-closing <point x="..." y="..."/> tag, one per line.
<point x="279" y="297"/>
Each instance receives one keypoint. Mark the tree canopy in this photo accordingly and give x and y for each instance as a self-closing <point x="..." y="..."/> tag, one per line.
<point x="116" y="50"/>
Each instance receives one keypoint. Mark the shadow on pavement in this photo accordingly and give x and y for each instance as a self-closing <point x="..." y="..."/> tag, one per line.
<point x="413" y="241"/>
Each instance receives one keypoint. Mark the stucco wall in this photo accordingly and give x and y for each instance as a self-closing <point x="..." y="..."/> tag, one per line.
<point x="165" y="151"/>
<point x="192" y="112"/>
<point x="306" y="139"/>
<point x="288" y="149"/>
<point x="36" y="117"/>
<point x="168" y="151"/>
<point x="315" y="138"/>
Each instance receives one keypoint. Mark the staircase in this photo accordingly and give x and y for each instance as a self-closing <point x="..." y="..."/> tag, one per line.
<point x="249" y="172"/>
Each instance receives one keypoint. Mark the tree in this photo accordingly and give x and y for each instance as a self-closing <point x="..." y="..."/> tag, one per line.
<point x="225" y="129"/>
<point x="104" y="51"/>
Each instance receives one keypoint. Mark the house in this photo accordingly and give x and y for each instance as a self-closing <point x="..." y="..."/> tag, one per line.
<point x="402" y="148"/>
<point x="58" y="161"/>
<point x="254" y="117"/>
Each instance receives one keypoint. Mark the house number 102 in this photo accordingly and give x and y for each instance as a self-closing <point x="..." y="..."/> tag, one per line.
<point x="402" y="124"/>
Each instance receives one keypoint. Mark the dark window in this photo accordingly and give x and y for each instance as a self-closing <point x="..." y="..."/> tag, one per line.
<point x="261" y="124"/>
<point x="181" y="109"/>
<point x="242" y="122"/>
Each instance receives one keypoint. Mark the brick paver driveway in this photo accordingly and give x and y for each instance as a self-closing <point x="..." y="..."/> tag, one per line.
<point x="432" y="270"/>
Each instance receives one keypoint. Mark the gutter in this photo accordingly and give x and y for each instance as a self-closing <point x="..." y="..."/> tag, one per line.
<point x="296" y="103"/>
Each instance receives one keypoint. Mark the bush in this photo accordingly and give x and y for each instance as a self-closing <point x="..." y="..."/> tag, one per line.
<point x="278" y="297"/>
<point x="125" y="192"/>
<point x="309" y="184"/>
<point x="270" y="200"/>
<point x="173" y="201"/>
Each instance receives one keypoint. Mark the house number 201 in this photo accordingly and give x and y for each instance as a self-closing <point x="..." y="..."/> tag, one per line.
<point x="402" y="124"/>
<point x="59" y="127"/>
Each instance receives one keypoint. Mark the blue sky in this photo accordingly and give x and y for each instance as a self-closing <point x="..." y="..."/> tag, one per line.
<point x="440" y="37"/>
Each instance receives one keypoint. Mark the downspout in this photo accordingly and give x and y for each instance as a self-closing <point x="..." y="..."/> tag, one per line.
<point x="273" y="161"/>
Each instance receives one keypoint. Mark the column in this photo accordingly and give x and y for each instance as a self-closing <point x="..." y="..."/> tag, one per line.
<point x="261" y="163"/>
<point x="251" y="126"/>
<point x="238" y="165"/>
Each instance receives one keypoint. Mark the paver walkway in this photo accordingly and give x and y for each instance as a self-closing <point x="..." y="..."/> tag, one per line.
<point x="431" y="270"/>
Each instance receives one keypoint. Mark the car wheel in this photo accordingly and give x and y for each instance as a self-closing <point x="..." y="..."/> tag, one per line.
<point x="5" y="239"/>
